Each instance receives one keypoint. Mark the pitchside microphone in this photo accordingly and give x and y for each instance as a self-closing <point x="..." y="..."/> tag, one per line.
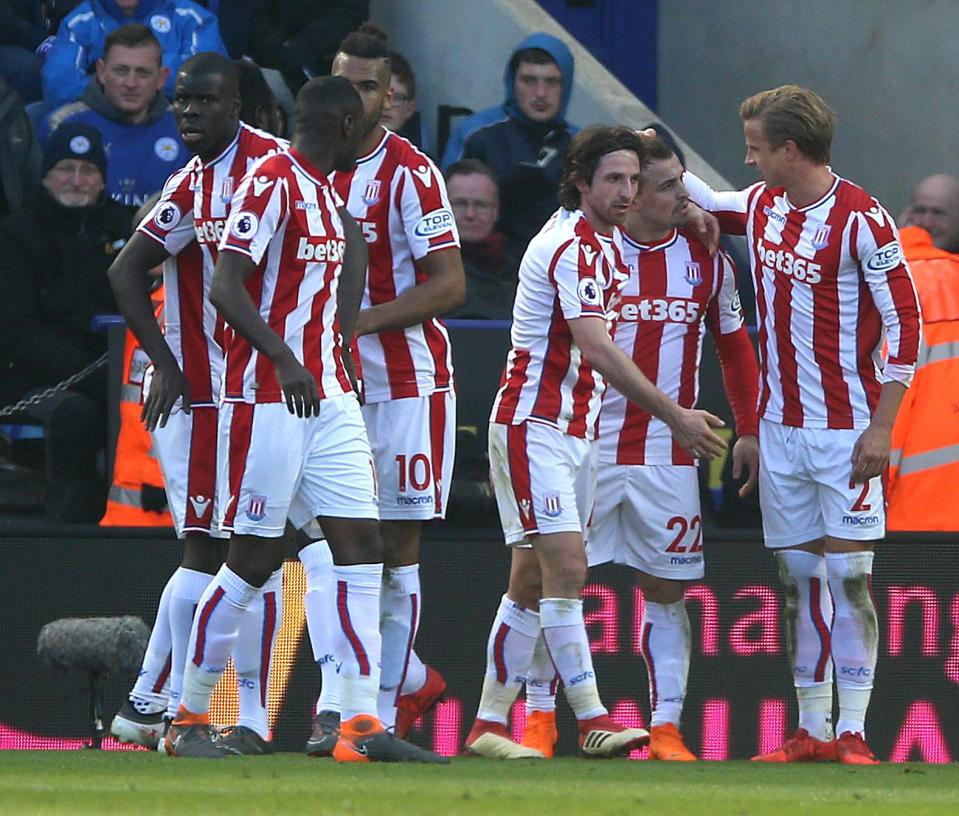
<point x="96" y="646"/>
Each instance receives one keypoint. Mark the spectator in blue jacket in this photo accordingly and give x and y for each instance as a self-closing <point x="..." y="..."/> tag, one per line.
<point x="183" y="29"/>
<point x="523" y="140"/>
<point x="125" y="102"/>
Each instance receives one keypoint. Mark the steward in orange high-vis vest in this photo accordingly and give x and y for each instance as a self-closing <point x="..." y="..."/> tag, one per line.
<point x="924" y="462"/>
<point x="136" y="497"/>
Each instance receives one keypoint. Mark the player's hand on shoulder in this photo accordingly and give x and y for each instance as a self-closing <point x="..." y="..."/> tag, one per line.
<point x="167" y="385"/>
<point x="692" y="429"/>
<point x="705" y="226"/>
<point x="870" y="454"/>
<point x="746" y="455"/>
<point x="298" y="385"/>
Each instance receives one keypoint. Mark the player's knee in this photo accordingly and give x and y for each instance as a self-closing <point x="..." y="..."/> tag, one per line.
<point x="359" y="543"/>
<point x="565" y="576"/>
<point x="255" y="559"/>
<point x="526" y="588"/>
<point x="660" y="590"/>
<point x="203" y="554"/>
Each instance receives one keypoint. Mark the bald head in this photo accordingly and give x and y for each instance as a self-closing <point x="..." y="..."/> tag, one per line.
<point x="328" y="119"/>
<point x="934" y="206"/>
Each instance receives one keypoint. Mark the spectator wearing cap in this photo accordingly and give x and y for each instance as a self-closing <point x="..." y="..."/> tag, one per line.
<point x="125" y="102"/>
<point x="182" y="27"/>
<point x="490" y="269"/>
<point x="54" y="255"/>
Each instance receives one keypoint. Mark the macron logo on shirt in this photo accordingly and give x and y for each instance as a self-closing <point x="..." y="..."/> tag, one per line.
<point x="328" y="250"/>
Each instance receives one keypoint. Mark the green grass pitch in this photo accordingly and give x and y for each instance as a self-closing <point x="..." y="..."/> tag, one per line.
<point x="59" y="783"/>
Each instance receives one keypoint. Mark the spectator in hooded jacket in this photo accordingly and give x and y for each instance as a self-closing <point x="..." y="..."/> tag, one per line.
<point x="183" y="29"/>
<point x="125" y="102"/>
<point x="523" y="141"/>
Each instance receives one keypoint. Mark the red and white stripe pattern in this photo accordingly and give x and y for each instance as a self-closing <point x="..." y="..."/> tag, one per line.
<point x="193" y="329"/>
<point x="831" y="281"/>
<point x="398" y="197"/>
<point x="569" y="271"/>
<point x="674" y="292"/>
<point x="284" y="217"/>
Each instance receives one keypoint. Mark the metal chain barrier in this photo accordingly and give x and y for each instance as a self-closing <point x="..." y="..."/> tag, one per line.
<point x="53" y="390"/>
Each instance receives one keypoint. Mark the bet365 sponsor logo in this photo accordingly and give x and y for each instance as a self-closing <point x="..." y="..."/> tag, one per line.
<point x="788" y="263"/>
<point x="661" y="310"/>
<point x="328" y="250"/>
<point x="209" y="231"/>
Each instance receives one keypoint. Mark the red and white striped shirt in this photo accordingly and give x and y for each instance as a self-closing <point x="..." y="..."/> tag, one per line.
<point x="568" y="271"/>
<point x="830" y="278"/>
<point x="284" y="217"/>
<point x="674" y="292"/>
<point x="193" y="330"/>
<point x="398" y="198"/>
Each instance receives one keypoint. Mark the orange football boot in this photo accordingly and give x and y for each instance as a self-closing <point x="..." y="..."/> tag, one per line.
<point x="801" y="747"/>
<point x="851" y="749"/>
<point x="540" y="732"/>
<point x="666" y="743"/>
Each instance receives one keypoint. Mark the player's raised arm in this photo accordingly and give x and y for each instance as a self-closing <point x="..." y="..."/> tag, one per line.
<point x="690" y="427"/>
<point x="728" y="206"/>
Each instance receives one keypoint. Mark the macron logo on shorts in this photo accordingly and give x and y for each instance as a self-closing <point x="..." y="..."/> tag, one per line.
<point x="200" y="505"/>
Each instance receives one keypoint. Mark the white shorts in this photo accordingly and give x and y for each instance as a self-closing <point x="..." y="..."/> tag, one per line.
<point x="648" y="517"/>
<point x="804" y="490"/>
<point x="543" y="478"/>
<point x="413" y="442"/>
<point x="186" y="449"/>
<point x="274" y="465"/>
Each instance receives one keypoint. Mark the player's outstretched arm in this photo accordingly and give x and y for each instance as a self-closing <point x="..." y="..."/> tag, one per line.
<point x="444" y="289"/>
<point x="233" y="302"/>
<point x="131" y="282"/>
<point x="690" y="428"/>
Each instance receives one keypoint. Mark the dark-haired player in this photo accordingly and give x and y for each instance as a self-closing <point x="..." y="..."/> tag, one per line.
<point x="398" y="197"/>
<point x="292" y="436"/>
<point x="542" y="439"/>
<point x="180" y="405"/>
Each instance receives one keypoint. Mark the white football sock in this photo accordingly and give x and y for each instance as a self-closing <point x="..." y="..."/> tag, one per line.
<point x="415" y="675"/>
<point x="807" y="614"/>
<point x="188" y="587"/>
<point x="509" y="651"/>
<point x="319" y="604"/>
<point x="666" y="650"/>
<point x="399" y="620"/>
<point x="152" y="688"/>
<point x="358" y="644"/>
<point x="215" y="629"/>
<point x="253" y="654"/>
<point x="855" y="636"/>
<point x="565" y="634"/>
<point x="541" y="680"/>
